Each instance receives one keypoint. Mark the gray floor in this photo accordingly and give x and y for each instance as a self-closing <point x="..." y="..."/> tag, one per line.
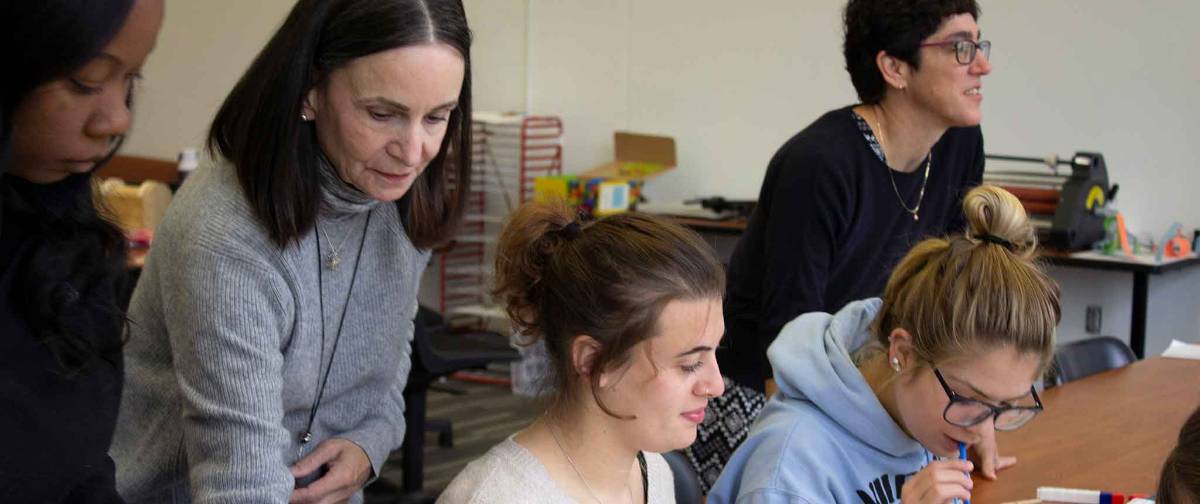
<point x="482" y="416"/>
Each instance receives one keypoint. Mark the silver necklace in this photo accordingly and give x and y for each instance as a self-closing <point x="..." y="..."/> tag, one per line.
<point x="591" y="493"/>
<point x="335" y="254"/>
<point x="928" y="162"/>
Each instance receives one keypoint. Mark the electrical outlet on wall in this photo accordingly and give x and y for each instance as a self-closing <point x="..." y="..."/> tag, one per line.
<point x="1092" y="323"/>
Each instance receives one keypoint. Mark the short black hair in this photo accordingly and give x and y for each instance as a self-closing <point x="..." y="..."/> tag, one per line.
<point x="72" y="276"/>
<point x="894" y="26"/>
<point x="258" y="127"/>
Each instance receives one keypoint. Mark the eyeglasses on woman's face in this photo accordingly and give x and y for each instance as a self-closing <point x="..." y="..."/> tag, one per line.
<point x="965" y="50"/>
<point x="967" y="412"/>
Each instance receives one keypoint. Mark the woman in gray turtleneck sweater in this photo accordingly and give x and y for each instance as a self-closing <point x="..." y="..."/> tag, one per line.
<point x="270" y="329"/>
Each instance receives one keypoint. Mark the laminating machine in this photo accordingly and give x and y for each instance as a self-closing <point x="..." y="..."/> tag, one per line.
<point x="1065" y="208"/>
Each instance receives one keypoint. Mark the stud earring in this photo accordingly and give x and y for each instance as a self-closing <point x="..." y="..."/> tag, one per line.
<point x="896" y="364"/>
<point x="303" y="116"/>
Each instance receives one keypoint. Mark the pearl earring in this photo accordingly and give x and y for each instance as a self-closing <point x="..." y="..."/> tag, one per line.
<point x="896" y="364"/>
<point x="303" y="116"/>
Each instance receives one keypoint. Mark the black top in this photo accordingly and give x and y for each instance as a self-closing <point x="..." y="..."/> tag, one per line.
<point x="829" y="227"/>
<point x="55" y="428"/>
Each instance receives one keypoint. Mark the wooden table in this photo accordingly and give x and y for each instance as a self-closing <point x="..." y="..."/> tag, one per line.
<point x="1110" y="431"/>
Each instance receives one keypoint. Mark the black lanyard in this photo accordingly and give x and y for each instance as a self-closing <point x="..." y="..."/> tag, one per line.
<point x="312" y="413"/>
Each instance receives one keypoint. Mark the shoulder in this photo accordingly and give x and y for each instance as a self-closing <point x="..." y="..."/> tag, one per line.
<point x="210" y="213"/>
<point x="660" y="479"/>
<point x="829" y="147"/>
<point x="506" y="473"/>
<point x="788" y="451"/>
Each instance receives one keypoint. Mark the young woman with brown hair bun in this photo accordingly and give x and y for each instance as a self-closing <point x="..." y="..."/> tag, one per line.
<point x="629" y="308"/>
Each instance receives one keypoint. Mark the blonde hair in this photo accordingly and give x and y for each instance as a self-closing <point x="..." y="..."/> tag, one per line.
<point x="975" y="291"/>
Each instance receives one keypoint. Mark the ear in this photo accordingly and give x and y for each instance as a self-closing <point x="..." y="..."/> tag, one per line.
<point x="310" y="105"/>
<point x="900" y="346"/>
<point x="584" y="350"/>
<point x="895" y="71"/>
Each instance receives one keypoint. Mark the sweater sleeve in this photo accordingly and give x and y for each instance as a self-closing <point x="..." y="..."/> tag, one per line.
<point x="226" y="319"/>
<point x="809" y="215"/>
<point x="382" y="429"/>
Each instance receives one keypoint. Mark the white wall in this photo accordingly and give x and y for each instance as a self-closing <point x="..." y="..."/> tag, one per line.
<point x="731" y="84"/>
<point x="202" y="50"/>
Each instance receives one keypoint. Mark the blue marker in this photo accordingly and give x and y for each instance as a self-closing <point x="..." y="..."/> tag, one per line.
<point x="962" y="455"/>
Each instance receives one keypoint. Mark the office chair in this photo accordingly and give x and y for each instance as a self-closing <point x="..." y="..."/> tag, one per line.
<point x="1088" y="357"/>
<point x="687" y="482"/>
<point x="438" y="351"/>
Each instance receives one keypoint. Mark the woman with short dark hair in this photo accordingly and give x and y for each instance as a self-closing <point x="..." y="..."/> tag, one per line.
<point x="271" y="326"/>
<point x="64" y="109"/>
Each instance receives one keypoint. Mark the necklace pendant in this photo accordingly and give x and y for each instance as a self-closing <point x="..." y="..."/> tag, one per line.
<point x="916" y="217"/>
<point x="334" y="261"/>
<point x="306" y="438"/>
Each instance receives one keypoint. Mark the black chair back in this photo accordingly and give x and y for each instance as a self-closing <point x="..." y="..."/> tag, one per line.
<point x="1088" y="357"/>
<point x="687" y="483"/>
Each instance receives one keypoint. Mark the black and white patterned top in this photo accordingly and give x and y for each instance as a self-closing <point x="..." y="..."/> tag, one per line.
<point x="869" y="135"/>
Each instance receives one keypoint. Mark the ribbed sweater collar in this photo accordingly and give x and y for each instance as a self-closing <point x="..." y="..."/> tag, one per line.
<point x="339" y="199"/>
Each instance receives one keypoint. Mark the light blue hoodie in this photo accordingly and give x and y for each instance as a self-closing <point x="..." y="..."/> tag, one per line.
<point x="824" y="437"/>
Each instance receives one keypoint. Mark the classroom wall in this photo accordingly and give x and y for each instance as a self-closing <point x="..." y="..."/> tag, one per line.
<point x="732" y="84"/>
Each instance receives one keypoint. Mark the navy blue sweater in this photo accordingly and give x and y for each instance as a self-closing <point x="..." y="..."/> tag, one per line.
<point x="56" y="424"/>
<point x="829" y="228"/>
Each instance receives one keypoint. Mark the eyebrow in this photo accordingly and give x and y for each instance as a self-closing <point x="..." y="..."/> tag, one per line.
<point x="988" y="397"/>
<point x="402" y="107"/>
<point x="698" y="349"/>
<point x="964" y="35"/>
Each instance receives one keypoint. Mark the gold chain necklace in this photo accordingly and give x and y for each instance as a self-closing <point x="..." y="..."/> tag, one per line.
<point x="928" y="162"/>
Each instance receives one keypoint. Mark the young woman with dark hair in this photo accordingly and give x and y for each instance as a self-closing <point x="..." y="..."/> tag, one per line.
<point x="844" y="198"/>
<point x="64" y="108"/>
<point x="270" y="328"/>
<point x="629" y="308"/>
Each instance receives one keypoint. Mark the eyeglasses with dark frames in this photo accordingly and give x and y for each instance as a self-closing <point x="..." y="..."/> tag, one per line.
<point x="965" y="50"/>
<point x="967" y="412"/>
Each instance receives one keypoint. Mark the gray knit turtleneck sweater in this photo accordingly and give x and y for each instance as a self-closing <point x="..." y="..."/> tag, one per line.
<point x="225" y="353"/>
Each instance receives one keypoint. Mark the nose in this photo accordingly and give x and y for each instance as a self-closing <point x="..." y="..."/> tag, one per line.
<point x="982" y="65"/>
<point x="112" y="116"/>
<point x="407" y="147"/>
<point x="711" y="383"/>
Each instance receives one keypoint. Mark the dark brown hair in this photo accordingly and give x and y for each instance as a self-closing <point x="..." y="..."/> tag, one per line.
<point x="609" y="279"/>
<point x="72" y="276"/>
<point x="1180" y="481"/>
<point x="259" y="130"/>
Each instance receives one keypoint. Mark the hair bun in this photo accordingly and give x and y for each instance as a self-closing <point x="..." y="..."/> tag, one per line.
<point x="995" y="216"/>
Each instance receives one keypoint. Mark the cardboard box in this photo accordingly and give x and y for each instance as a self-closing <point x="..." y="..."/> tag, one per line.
<point x="636" y="157"/>
<point x="612" y="187"/>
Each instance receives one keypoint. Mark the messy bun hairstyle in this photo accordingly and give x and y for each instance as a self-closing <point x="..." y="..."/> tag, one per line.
<point x="977" y="291"/>
<point x="609" y="279"/>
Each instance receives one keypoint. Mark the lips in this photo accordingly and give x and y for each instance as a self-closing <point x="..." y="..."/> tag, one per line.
<point x="695" y="416"/>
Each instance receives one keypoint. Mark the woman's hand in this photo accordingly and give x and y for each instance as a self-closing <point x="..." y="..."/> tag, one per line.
<point x="987" y="455"/>
<point x="348" y="469"/>
<point x="940" y="482"/>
